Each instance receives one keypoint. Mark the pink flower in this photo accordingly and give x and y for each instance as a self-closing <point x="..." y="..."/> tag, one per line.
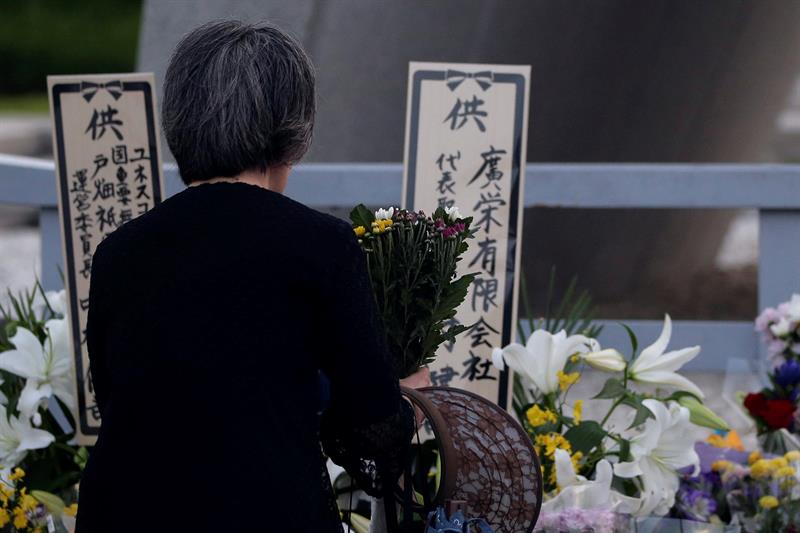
<point x="776" y="347"/>
<point x="767" y="317"/>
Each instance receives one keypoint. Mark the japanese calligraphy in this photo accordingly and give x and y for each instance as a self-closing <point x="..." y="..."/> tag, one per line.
<point x="465" y="148"/>
<point x="108" y="171"/>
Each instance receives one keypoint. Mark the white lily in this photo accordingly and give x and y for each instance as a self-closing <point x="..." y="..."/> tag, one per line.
<point x="659" y="451"/>
<point x="384" y="214"/>
<point x="542" y="357"/>
<point x="47" y="369"/>
<point x="659" y="368"/>
<point x="577" y="492"/>
<point x="17" y="437"/>
<point x="453" y="213"/>
<point x="609" y="360"/>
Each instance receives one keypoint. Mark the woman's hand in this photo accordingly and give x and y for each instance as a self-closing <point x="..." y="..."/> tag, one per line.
<point x="419" y="379"/>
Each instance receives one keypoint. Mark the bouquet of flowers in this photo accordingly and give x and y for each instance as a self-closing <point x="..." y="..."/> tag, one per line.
<point x="604" y="465"/>
<point x="780" y="329"/>
<point x="36" y="396"/>
<point x="756" y="493"/>
<point x="774" y="407"/>
<point x="411" y="260"/>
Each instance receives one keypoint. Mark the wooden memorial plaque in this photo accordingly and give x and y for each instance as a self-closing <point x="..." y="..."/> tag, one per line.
<point x="466" y="135"/>
<point x="108" y="171"/>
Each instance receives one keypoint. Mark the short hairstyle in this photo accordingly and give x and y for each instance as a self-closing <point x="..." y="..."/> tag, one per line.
<point x="237" y="97"/>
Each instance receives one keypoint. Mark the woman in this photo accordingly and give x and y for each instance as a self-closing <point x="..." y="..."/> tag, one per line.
<point x="212" y="315"/>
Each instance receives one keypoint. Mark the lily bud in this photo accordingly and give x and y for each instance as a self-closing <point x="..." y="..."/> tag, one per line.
<point x="53" y="503"/>
<point x="701" y="415"/>
<point x="609" y="360"/>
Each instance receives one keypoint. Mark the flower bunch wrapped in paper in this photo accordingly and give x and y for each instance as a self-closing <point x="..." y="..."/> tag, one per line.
<point x="412" y="260"/>
<point x="753" y="491"/>
<point x="774" y="408"/>
<point x="629" y="459"/>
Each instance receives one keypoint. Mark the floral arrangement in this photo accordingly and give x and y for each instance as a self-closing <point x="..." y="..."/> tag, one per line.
<point x="751" y="491"/>
<point x="411" y="260"/>
<point x="774" y="407"/>
<point x="36" y="395"/>
<point x="34" y="512"/>
<point x="600" y="464"/>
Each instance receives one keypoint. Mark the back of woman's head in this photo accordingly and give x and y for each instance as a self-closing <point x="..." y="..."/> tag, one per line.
<point x="237" y="97"/>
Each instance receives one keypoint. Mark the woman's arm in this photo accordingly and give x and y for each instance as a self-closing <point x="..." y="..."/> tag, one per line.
<point x="368" y="427"/>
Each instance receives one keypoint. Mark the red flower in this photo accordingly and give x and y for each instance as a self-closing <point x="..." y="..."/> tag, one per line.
<point x="776" y="414"/>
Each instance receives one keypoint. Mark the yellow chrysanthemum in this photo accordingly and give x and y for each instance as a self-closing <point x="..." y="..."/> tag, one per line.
<point x="761" y="469"/>
<point x="785" y="471"/>
<point x="721" y="465"/>
<point x="18" y="473"/>
<point x="20" y="518"/>
<point x="565" y="381"/>
<point x="5" y="518"/>
<point x="550" y="442"/>
<point x="539" y="417"/>
<point x="778" y="462"/>
<point x="576" y="459"/>
<point x="753" y="457"/>
<point x="577" y="411"/>
<point x="26" y="501"/>
<point x="768" y="502"/>
<point x="360" y="230"/>
<point x="72" y="510"/>
<point x="793" y="455"/>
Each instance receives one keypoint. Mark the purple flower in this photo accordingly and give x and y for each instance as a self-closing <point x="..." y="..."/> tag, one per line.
<point x="695" y="504"/>
<point x="788" y="374"/>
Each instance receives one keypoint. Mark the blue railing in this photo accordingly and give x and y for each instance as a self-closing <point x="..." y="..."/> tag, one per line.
<point x="774" y="190"/>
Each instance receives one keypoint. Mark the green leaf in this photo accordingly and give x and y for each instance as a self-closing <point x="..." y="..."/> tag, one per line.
<point x="642" y="412"/>
<point x="634" y="341"/>
<point x="362" y="216"/>
<point x="585" y="436"/>
<point x="611" y="390"/>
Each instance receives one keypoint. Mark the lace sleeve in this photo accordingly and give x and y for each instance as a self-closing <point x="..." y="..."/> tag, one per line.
<point x="368" y="426"/>
<point x="374" y="455"/>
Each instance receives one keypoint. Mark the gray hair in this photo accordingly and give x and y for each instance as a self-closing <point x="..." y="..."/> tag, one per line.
<point x="237" y="97"/>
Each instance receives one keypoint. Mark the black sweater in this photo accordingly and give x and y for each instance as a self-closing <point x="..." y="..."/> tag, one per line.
<point x="210" y="319"/>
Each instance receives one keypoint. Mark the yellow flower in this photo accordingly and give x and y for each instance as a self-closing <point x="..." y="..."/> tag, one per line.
<point x="18" y="473"/>
<point x="778" y="462"/>
<point x="721" y="465"/>
<point x="785" y="471"/>
<point x="755" y="456"/>
<point x="577" y="411"/>
<point x="20" y="518"/>
<point x="551" y="442"/>
<point x="26" y="501"/>
<point x="576" y="459"/>
<point x="761" y="469"/>
<point x="539" y="417"/>
<point x="575" y="358"/>
<point x="768" y="502"/>
<point x="360" y="230"/>
<point x="567" y="380"/>
<point x="72" y="510"/>
<point x="5" y="518"/>
<point x="793" y="455"/>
